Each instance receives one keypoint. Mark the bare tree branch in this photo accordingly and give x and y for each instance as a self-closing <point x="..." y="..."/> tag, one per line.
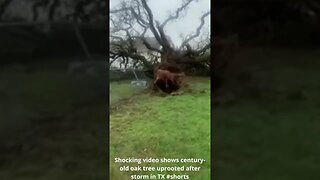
<point x="136" y="57"/>
<point x="113" y="60"/>
<point x="201" y="51"/>
<point x="144" y="31"/>
<point x="151" y="22"/>
<point x="147" y="23"/>
<point x="145" y="42"/>
<point x="197" y="31"/>
<point x="115" y="26"/>
<point x="163" y="35"/>
<point x="172" y="17"/>
<point x="138" y="16"/>
<point x="139" y="19"/>
<point x="119" y="10"/>
<point x="135" y="20"/>
<point x="193" y="60"/>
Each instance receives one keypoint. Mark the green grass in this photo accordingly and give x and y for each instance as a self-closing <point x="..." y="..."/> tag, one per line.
<point x="157" y="127"/>
<point x="122" y="90"/>
<point x="52" y="124"/>
<point x="274" y="135"/>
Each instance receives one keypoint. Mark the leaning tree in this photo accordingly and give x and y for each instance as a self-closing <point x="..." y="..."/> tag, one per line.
<point x="131" y="21"/>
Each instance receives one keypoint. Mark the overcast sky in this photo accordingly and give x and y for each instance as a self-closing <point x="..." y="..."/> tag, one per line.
<point x="185" y="25"/>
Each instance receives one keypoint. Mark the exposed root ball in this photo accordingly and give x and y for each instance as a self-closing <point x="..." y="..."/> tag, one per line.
<point x="167" y="81"/>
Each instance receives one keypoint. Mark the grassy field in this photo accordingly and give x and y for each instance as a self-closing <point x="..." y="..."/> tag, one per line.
<point x="52" y="125"/>
<point x="271" y="130"/>
<point x="148" y="125"/>
<point x="122" y="90"/>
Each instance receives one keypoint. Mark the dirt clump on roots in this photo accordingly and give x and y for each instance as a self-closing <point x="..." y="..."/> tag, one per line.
<point x="168" y="78"/>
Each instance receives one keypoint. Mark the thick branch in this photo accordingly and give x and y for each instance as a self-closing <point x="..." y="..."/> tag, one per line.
<point x="151" y="22"/>
<point x="191" y="55"/>
<point x="191" y="60"/>
<point x="144" y="31"/>
<point x="139" y="19"/>
<point x="145" y="42"/>
<point x="197" y="31"/>
<point x="145" y="19"/>
<point x="136" y="57"/>
<point x="113" y="60"/>
<point x="172" y="17"/>
<point x="163" y="36"/>
<point x="201" y="51"/>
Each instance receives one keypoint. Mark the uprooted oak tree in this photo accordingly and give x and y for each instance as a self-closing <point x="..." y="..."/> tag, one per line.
<point x="133" y="24"/>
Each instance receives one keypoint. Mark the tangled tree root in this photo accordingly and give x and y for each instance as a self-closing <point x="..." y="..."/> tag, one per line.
<point x="168" y="78"/>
